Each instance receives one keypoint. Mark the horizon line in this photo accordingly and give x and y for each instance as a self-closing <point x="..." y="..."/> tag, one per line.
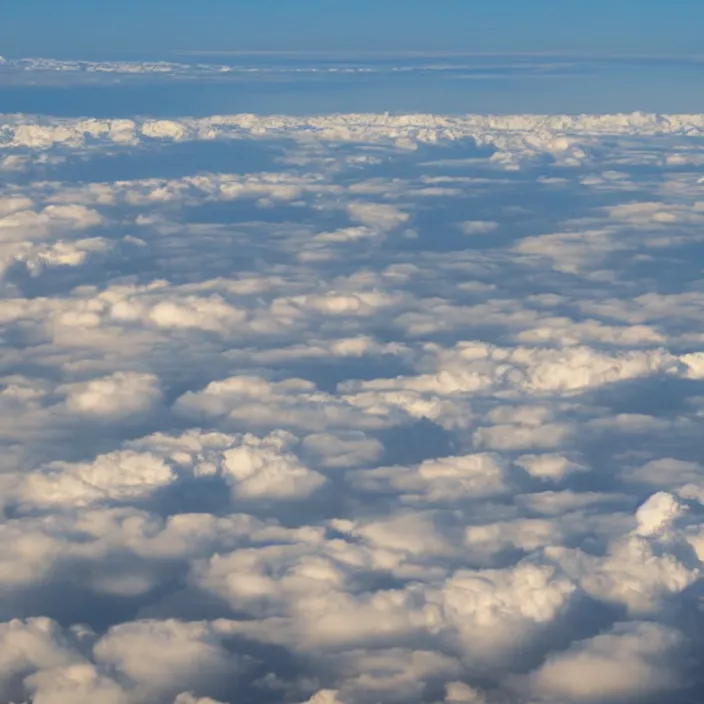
<point x="411" y="53"/>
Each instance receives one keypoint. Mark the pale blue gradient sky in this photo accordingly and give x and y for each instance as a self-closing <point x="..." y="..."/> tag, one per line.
<point x="100" y="27"/>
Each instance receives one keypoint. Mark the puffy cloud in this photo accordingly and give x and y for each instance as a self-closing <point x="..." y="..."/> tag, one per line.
<point x="514" y="136"/>
<point x="119" y="395"/>
<point x="23" y="230"/>
<point x="117" y="476"/>
<point x="476" y="368"/>
<point x="401" y="538"/>
<point x="644" y="569"/>
<point x="550" y="466"/>
<point x="132" y="663"/>
<point x="80" y="684"/>
<point x="250" y="419"/>
<point x="167" y="657"/>
<point x="527" y="535"/>
<point x="456" y="692"/>
<point x="62" y="254"/>
<point x="377" y="215"/>
<point x="29" y="224"/>
<point x="342" y="449"/>
<point x="443" y="480"/>
<point x="657" y="514"/>
<point x="254" y="467"/>
<point x="394" y="674"/>
<point x="630" y="662"/>
<point x="266" y="469"/>
<point x="478" y="227"/>
<point x="346" y="234"/>
<point x="293" y="402"/>
<point x="188" y="698"/>
<point x="28" y="647"/>
<point x="324" y="696"/>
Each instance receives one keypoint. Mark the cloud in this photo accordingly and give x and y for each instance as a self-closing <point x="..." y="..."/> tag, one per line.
<point x="62" y="254"/>
<point x="265" y="469"/>
<point x="292" y="402"/>
<point x="137" y="662"/>
<point x="630" y="662"/>
<point x="263" y="442"/>
<point x="515" y="137"/>
<point x="119" y="395"/>
<point x="23" y="230"/>
<point x="498" y="613"/>
<point x="377" y="215"/>
<point x="644" y="569"/>
<point x="342" y="449"/>
<point x="550" y="466"/>
<point x="117" y="476"/>
<point x="443" y="480"/>
<point x="478" y="227"/>
<point x="79" y="683"/>
<point x="165" y="657"/>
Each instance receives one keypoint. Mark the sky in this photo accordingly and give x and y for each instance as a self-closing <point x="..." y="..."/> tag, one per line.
<point x="351" y="379"/>
<point x="86" y="27"/>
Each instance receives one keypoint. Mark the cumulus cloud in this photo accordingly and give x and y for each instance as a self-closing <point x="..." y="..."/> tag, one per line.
<point x="166" y="657"/>
<point x="291" y="402"/>
<point x="378" y="215"/>
<point x="516" y="136"/>
<point x="497" y="613"/>
<point x="265" y="469"/>
<point x="478" y="227"/>
<point x="644" y="569"/>
<point x="550" y="466"/>
<point x="117" y="476"/>
<point x="445" y="479"/>
<point x="630" y="662"/>
<point x="326" y="430"/>
<point x="131" y="663"/>
<point x="121" y="394"/>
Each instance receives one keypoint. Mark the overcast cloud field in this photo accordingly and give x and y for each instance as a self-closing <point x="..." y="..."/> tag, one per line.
<point x="351" y="382"/>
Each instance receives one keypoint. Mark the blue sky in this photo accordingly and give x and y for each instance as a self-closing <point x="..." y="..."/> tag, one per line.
<point x="79" y="27"/>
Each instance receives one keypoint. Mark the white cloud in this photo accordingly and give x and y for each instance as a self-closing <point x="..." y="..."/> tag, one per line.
<point x="62" y="254"/>
<point x="443" y="480"/>
<point x="188" y="698"/>
<point x="498" y="613"/>
<point x="254" y="419"/>
<point x="550" y="467"/>
<point x="457" y="692"/>
<point x="478" y="227"/>
<point x="342" y="449"/>
<point x="132" y="663"/>
<point x="515" y="136"/>
<point x="644" y="569"/>
<point x="119" y="395"/>
<point x="117" y="476"/>
<point x="167" y="657"/>
<point x="292" y="402"/>
<point x="632" y="661"/>
<point x="265" y="468"/>
<point x="27" y="647"/>
<point x="78" y="684"/>
<point x="528" y="535"/>
<point x="377" y="215"/>
<point x="472" y="367"/>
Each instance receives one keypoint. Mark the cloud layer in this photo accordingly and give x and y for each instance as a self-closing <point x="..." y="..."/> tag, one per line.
<point x="358" y="409"/>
